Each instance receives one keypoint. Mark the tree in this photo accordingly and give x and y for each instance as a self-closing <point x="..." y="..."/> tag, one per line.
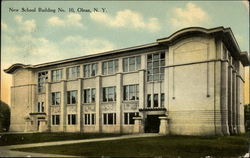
<point x="247" y="116"/>
<point x="4" y="116"/>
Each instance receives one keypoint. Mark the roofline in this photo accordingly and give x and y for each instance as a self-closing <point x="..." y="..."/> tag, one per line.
<point x="160" y="41"/>
<point x="16" y="66"/>
<point x="188" y="31"/>
<point x="95" y="55"/>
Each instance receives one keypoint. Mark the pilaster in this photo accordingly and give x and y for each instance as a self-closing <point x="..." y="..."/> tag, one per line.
<point x="79" y="105"/>
<point x="224" y="97"/>
<point x="230" y="96"/>
<point x="234" y="103"/>
<point x="164" y="125"/>
<point x="138" y="128"/>
<point x="81" y="71"/>
<point x="119" y="101"/>
<point x="63" y="106"/>
<point x="238" y="90"/>
<point x="48" y="103"/>
<point x="98" y="104"/>
<point x="142" y="92"/>
<point x="217" y="92"/>
<point x="34" y="98"/>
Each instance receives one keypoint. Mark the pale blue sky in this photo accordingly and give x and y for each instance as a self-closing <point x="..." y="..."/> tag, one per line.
<point x="138" y="23"/>
<point x="33" y="38"/>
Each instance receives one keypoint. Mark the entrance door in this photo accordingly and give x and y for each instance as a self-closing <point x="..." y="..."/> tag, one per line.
<point x="152" y="124"/>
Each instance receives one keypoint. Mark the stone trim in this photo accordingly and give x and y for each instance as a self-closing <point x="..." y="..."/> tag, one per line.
<point x="199" y="62"/>
<point x="23" y="85"/>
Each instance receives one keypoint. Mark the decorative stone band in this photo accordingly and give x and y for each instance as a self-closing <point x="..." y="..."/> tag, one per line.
<point x="23" y="85"/>
<point x="198" y="62"/>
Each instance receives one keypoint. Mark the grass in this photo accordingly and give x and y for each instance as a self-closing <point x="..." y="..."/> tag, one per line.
<point x="12" y="139"/>
<point x="165" y="146"/>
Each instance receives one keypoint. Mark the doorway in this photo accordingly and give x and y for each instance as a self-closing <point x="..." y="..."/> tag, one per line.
<point x="152" y="124"/>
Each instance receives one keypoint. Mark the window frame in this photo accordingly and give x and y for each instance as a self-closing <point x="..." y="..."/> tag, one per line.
<point x="162" y="99"/>
<point x="93" y="67"/>
<point x="70" y="97"/>
<point x="41" y="80"/>
<point x="55" y="120"/>
<point x="109" y="118"/>
<point x="40" y="106"/>
<point x="156" y="66"/>
<point x="129" y="119"/>
<point x="89" y="119"/>
<point x="55" y="97"/>
<point x="73" y="72"/>
<point x="106" y="68"/>
<point x="71" y="119"/>
<point x="127" y="92"/>
<point x="90" y="98"/>
<point x="127" y="62"/>
<point x="106" y="94"/>
<point x="57" y="76"/>
<point x="155" y="100"/>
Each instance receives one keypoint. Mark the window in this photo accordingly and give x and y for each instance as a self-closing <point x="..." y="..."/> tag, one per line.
<point x="131" y="92"/>
<point x="56" y="75"/>
<point x="128" y="118"/>
<point x="71" y="97"/>
<point x="109" y="67"/>
<point x="73" y="72"/>
<point x="149" y="100"/>
<point x="93" y="95"/>
<point x="89" y="119"/>
<point x="94" y="70"/>
<point x="86" y="94"/>
<point x="40" y="107"/>
<point x="89" y="95"/>
<point x="55" y="119"/>
<point x="109" y="118"/>
<point x="56" y="98"/>
<point x="72" y="119"/>
<point x="156" y="104"/>
<point x="162" y="99"/>
<point x="131" y="64"/>
<point x="42" y="78"/>
<point x="90" y="70"/>
<point x="109" y="94"/>
<point x="155" y="66"/>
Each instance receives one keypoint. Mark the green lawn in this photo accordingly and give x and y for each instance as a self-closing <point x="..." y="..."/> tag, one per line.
<point x="11" y="139"/>
<point x="166" y="146"/>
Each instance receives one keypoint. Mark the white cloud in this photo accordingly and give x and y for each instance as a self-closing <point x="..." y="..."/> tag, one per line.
<point x="127" y="19"/>
<point x="29" y="49"/>
<point x="71" y="19"/>
<point x="246" y="4"/>
<point x="56" y="21"/>
<point x="191" y="15"/>
<point x="27" y="26"/>
<point x="83" y="46"/>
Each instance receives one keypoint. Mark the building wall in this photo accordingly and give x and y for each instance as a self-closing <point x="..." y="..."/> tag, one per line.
<point x="22" y="98"/>
<point x="201" y="96"/>
<point x="191" y="87"/>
